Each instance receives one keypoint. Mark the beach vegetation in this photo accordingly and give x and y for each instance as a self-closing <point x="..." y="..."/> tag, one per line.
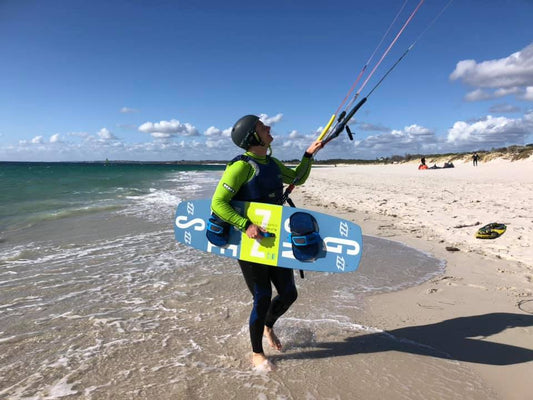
<point x="512" y="153"/>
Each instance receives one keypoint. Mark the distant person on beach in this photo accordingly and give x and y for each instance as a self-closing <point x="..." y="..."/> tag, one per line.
<point x="256" y="176"/>
<point x="423" y="163"/>
<point x="475" y="158"/>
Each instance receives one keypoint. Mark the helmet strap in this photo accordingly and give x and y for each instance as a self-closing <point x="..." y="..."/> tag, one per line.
<point x="257" y="140"/>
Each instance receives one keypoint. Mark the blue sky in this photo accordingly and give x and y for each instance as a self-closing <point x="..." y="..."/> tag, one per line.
<point x="166" y="80"/>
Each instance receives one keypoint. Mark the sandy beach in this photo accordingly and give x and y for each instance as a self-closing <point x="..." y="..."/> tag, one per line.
<point x="99" y="301"/>
<point x="480" y="311"/>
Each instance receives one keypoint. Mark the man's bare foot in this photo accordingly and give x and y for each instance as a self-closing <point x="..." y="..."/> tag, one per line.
<point x="272" y="338"/>
<point x="261" y="363"/>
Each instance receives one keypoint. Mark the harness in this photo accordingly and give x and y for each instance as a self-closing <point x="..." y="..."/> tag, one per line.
<point x="266" y="185"/>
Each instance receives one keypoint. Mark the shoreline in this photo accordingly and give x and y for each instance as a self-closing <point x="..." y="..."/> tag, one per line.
<point x="480" y="310"/>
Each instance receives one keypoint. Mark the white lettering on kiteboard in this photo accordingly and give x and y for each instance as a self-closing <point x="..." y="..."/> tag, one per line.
<point x="182" y="222"/>
<point x="266" y="214"/>
<point x="288" y="253"/>
<point x="341" y="263"/>
<point x="197" y="223"/>
<point x="336" y="245"/>
<point x="287" y="225"/>
<point x="233" y="248"/>
<point x="333" y="245"/>
<point x="343" y="229"/>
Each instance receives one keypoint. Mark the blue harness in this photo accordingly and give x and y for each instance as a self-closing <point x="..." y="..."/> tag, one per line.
<point x="266" y="186"/>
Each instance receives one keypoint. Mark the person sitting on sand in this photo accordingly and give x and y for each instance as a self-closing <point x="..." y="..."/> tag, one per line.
<point x="256" y="176"/>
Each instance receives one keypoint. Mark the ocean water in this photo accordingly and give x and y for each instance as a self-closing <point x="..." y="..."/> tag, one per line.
<point x="97" y="300"/>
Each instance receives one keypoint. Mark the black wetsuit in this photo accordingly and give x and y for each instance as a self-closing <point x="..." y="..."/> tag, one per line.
<point x="260" y="179"/>
<point x="265" y="311"/>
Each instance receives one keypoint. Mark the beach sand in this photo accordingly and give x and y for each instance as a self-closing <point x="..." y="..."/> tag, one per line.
<point x="480" y="311"/>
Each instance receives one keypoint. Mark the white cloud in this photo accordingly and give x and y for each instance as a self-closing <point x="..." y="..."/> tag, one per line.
<point x="413" y="138"/>
<point x="127" y="110"/>
<point x="212" y="131"/>
<point x="104" y="134"/>
<point x="270" y="120"/>
<point x="160" y="135"/>
<point x="491" y="131"/>
<point x="215" y="144"/>
<point x="227" y="132"/>
<point x="528" y="95"/>
<point x="417" y="131"/>
<point x="168" y="129"/>
<point x="295" y="135"/>
<point x="478" y="95"/>
<point x="371" y="127"/>
<point x="82" y="135"/>
<point x="498" y="78"/>
<point x="515" y="70"/>
<point x="501" y="92"/>
<point x="503" y="108"/>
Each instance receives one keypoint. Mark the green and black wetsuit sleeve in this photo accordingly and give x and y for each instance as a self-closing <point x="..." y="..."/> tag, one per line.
<point x="235" y="175"/>
<point x="302" y="171"/>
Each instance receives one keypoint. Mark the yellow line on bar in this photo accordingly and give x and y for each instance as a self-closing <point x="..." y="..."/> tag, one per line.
<point x="326" y="129"/>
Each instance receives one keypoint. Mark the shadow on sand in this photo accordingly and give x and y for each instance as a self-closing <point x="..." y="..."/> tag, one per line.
<point x="462" y="339"/>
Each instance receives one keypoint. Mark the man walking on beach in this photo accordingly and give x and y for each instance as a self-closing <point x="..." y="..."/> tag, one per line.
<point x="256" y="176"/>
<point x="475" y="157"/>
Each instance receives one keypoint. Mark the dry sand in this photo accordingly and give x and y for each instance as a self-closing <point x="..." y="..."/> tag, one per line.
<point x="480" y="311"/>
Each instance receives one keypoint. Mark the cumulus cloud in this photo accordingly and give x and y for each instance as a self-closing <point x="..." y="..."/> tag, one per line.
<point x="491" y="131"/>
<point x="499" y="77"/>
<point x="214" y="143"/>
<point x="213" y="131"/>
<point x="412" y="138"/>
<point x="168" y="129"/>
<point x="270" y="120"/>
<point x="104" y="135"/>
<point x="294" y="134"/>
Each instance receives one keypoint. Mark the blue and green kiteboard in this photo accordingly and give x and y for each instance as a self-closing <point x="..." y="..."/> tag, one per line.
<point x="339" y="242"/>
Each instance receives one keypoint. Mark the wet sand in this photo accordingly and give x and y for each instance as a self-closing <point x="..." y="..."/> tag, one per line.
<point x="479" y="312"/>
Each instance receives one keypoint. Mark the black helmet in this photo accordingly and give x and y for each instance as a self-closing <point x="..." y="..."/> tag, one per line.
<point x="243" y="132"/>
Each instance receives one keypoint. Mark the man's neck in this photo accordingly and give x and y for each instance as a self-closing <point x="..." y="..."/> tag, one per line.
<point x="259" y="151"/>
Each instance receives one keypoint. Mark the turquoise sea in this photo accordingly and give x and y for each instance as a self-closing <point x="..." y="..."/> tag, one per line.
<point x="33" y="192"/>
<point x="98" y="301"/>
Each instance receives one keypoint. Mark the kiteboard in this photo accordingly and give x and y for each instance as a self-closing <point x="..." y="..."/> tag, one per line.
<point x="491" y="231"/>
<point x="338" y="242"/>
